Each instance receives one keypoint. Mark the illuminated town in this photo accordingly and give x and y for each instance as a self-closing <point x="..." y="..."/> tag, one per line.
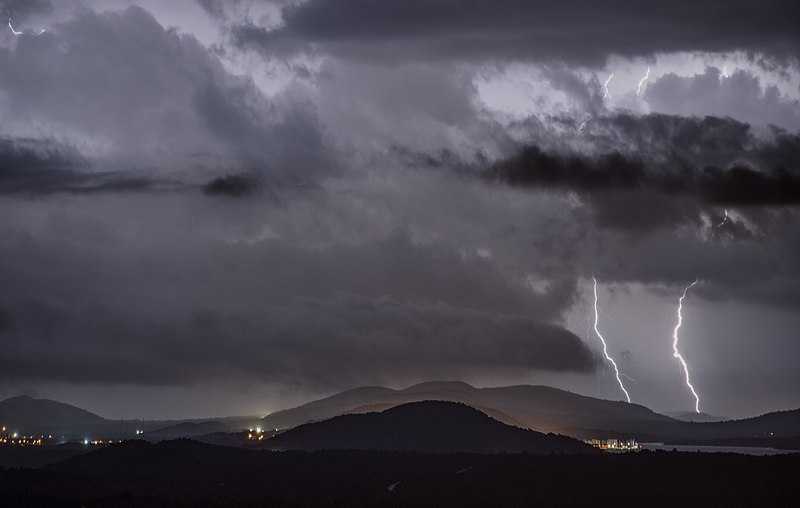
<point x="15" y="439"/>
<point x="8" y="438"/>
<point x="260" y="434"/>
<point x="614" y="445"/>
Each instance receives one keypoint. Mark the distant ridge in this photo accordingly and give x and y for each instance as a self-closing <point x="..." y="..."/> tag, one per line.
<point x="427" y="427"/>
<point x="540" y="408"/>
<point x="546" y="409"/>
<point x="33" y="414"/>
<point x="691" y="416"/>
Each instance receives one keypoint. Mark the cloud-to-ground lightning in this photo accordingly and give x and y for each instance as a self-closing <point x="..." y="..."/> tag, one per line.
<point x="641" y="82"/>
<point x="605" y="347"/>
<point x="605" y="87"/>
<point x="677" y="354"/>
<point x="12" y="28"/>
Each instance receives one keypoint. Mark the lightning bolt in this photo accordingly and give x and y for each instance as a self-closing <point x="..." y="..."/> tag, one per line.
<point x="677" y="354"/>
<point x="605" y="348"/>
<point x="43" y="30"/>
<point x="583" y="123"/>
<point x="724" y="220"/>
<point x="725" y="71"/>
<point x="12" y="28"/>
<point x="641" y="82"/>
<point x="605" y="87"/>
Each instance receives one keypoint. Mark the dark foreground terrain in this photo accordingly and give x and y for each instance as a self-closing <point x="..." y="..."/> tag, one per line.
<point x="188" y="473"/>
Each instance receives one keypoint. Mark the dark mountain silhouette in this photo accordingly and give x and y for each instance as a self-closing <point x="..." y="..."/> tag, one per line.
<point x="546" y="409"/>
<point x="428" y="426"/>
<point x="30" y="415"/>
<point x="540" y="408"/>
<point x="187" y="429"/>
<point x="323" y="409"/>
<point x="691" y="416"/>
<point x="27" y="415"/>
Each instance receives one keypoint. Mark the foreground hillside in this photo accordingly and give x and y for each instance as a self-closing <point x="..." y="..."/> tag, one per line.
<point x="429" y="426"/>
<point x="188" y="473"/>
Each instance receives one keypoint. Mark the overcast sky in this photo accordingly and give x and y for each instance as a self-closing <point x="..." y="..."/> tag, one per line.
<point x="217" y="207"/>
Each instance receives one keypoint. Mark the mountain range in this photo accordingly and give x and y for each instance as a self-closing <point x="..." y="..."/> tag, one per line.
<point x="539" y="408"/>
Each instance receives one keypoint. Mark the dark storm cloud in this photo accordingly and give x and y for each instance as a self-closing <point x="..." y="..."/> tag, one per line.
<point x="736" y="186"/>
<point x="40" y="166"/>
<point x="330" y="343"/>
<point x="205" y="299"/>
<point x="666" y="167"/>
<point x="232" y="185"/>
<point x="581" y="31"/>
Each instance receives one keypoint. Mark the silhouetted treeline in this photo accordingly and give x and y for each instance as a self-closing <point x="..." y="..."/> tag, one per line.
<point x="188" y="473"/>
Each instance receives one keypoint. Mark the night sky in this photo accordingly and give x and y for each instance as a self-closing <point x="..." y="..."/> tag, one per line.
<point x="217" y="207"/>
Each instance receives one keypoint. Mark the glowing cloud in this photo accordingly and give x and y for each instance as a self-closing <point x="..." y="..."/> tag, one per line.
<point x="605" y="347"/>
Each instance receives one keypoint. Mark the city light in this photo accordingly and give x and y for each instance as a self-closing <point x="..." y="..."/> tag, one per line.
<point x="614" y="445"/>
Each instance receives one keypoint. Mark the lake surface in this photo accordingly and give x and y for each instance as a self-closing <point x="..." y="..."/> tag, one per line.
<point x="746" y="450"/>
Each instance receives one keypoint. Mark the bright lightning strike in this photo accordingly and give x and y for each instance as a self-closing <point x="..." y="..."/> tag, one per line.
<point x="605" y="348"/>
<point x="641" y="82"/>
<point x="724" y="220"/>
<point x="12" y="28"/>
<point x="605" y="87"/>
<point x="725" y="71"/>
<point x="677" y="354"/>
<point x="583" y="124"/>
<point x="43" y="30"/>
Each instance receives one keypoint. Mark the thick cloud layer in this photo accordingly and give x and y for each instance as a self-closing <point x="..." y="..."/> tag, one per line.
<point x="578" y="31"/>
<point x="298" y="342"/>
<point x="718" y="161"/>
<point x="163" y="302"/>
<point x="41" y="166"/>
<point x="362" y="210"/>
<point x="121" y="85"/>
<point x="740" y="95"/>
